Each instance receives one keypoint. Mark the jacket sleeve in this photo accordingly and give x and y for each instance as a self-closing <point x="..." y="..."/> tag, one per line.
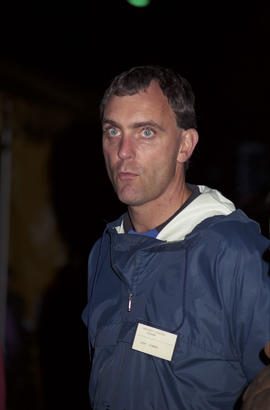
<point x="248" y="298"/>
<point x="254" y="330"/>
<point x="92" y="272"/>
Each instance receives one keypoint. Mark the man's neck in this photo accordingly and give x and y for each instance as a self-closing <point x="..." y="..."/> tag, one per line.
<point x="150" y="215"/>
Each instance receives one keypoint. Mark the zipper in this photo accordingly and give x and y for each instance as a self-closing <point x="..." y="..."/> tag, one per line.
<point x="130" y="302"/>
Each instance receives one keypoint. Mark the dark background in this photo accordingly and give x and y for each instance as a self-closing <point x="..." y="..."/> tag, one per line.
<point x="222" y="48"/>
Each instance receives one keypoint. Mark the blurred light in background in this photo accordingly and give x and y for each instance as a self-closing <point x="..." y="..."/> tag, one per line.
<point x="139" y="3"/>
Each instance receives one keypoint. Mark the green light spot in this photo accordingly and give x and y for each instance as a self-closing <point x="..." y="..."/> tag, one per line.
<point x="139" y="3"/>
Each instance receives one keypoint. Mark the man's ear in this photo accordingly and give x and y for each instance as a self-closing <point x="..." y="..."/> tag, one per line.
<point x="188" y="141"/>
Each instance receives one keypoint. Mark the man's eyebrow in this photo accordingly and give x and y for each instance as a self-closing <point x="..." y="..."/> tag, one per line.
<point x="134" y="125"/>
<point x="110" y="122"/>
<point x="146" y="124"/>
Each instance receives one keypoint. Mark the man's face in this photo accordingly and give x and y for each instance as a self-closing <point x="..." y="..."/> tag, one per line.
<point x="141" y="142"/>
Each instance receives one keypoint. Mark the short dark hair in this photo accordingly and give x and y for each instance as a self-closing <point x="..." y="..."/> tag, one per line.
<point x="176" y="88"/>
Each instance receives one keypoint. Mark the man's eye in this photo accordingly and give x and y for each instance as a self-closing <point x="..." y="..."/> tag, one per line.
<point x="147" y="133"/>
<point x="112" y="132"/>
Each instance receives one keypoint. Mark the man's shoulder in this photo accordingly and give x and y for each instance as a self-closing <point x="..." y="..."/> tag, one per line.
<point x="235" y="231"/>
<point x="116" y="225"/>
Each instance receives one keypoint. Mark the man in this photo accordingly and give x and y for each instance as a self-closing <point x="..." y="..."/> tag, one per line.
<point x="179" y="294"/>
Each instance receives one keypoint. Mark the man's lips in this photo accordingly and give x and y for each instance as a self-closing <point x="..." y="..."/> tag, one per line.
<point x="125" y="175"/>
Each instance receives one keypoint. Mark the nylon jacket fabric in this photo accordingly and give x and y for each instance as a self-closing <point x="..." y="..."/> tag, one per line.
<point x="211" y="288"/>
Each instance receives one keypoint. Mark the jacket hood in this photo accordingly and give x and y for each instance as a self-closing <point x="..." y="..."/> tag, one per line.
<point x="209" y="203"/>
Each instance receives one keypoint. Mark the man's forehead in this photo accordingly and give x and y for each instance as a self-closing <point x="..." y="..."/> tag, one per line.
<point x="151" y="98"/>
<point x="143" y="107"/>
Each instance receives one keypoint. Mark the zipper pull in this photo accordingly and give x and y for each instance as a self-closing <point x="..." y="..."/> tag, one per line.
<point x="130" y="302"/>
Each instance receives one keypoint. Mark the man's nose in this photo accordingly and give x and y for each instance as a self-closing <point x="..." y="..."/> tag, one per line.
<point x="126" y="148"/>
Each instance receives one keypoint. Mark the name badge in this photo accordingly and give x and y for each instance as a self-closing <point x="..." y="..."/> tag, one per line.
<point x="154" y="341"/>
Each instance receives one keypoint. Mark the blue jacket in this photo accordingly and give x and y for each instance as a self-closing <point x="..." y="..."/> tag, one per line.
<point x="211" y="288"/>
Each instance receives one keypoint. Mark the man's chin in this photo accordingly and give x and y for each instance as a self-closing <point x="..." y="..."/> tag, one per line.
<point x="126" y="195"/>
<point x="130" y="200"/>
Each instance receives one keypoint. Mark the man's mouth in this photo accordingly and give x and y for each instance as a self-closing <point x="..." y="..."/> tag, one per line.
<point x="126" y="175"/>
